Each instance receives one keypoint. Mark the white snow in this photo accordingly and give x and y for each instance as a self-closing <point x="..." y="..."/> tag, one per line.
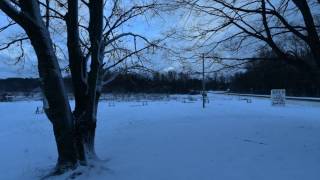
<point x="174" y="140"/>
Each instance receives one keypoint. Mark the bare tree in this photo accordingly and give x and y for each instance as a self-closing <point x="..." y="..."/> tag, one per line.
<point x="97" y="40"/>
<point x="103" y="40"/>
<point x="27" y="15"/>
<point x="234" y="25"/>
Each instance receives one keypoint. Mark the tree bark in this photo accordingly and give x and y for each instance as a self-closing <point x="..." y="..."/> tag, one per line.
<point x="313" y="37"/>
<point x="77" y="64"/>
<point x="77" y="60"/>
<point x="94" y="80"/>
<point x="86" y="89"/>
<point x="58" y="109"/>
<point x="58" y="112"/>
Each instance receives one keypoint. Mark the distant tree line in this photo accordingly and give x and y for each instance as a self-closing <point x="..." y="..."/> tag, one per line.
<point x="18" y="84"/>
<point x="259" y="77"/>
<point x="263" y="75"/>
<point x="170" y="82"/>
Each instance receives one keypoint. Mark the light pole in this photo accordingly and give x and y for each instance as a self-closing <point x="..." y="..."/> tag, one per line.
<point x="204" y="94"/>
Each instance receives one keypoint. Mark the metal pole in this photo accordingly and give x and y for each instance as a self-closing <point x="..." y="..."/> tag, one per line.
<point x="203" y="84"/>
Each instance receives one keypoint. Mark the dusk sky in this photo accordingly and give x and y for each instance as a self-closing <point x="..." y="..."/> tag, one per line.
<point x="151" y="27"/>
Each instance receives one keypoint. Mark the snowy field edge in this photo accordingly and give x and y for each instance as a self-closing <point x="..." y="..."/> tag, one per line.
<point x="174" y="139"/>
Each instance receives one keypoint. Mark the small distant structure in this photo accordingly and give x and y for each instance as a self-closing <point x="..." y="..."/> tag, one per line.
<point x="36" y="93"/>
<point x="248" y="100"/>
<point x="278" y="97"/>
<point x="204" y="92"/>
<point x="204" y="98"/>
<point x="6" y="97"/>
<point x="144" y="103"/>
<point x="39" y="110"/>
<point x="111" y="104"/>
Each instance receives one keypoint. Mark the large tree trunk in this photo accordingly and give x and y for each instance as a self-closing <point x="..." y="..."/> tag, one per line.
<point x="97" y="50"/>
<point x="74" y="133"/>
<point x="58" y="108"/>
<point x="59" y="111"/>
<point x="85" y="88"/>
<point x="77" y="61"/>
<point x="313" y="37"/>
<point x="77" y="64"/>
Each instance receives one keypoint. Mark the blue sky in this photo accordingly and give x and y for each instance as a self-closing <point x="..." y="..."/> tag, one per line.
<point x="151" y="27"/>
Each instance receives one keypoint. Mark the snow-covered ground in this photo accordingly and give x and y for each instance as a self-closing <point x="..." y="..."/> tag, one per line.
<point x="174" y="140"/>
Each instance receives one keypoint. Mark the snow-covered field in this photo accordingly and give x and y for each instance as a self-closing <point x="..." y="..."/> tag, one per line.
<point x="174" y="140"/>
